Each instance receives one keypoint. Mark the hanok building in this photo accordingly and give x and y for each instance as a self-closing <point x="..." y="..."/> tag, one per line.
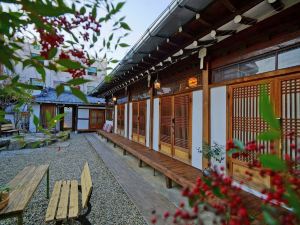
<point x="194" y="78"/>
<point x="78" y="115"/>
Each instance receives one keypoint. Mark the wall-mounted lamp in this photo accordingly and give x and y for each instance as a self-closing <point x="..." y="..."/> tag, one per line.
<point x="114" y="98"/>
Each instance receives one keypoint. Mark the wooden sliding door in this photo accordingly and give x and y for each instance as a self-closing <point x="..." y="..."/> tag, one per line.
<point x="175" y="126"/>
<point x="47" y="112"/>
<point x="245" y="122"/>
<point x="120" y="119"/>
<point x="97" y="119"/>
<point x="139" y="112"/>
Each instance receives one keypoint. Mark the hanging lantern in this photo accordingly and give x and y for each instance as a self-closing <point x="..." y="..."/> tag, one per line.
<point x="193" y="82"/>
<point x="157" y="83"/>
<point x="114" y="98"/>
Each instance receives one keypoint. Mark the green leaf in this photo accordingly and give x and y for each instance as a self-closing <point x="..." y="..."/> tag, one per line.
<point x="269" y="219"/>
<point x="95" y="38"/>
<point x="36" y="121"/>
<point x="52" y="53"/>
<point x="59" y="89"/>
<point x="269" y="135"/>
<point x="272" y="162"/>
<point x="78" y="81"/>
<point x="238" y="144"/>
<point x="266" y="109"/>
<point x="70" y="64"/>
<point x="82" y="10"/>
<point x="124" y="26"/>
<point x="94" y="11"/>
<point x="3" y="77"/>
<point x="40" y="69"/>
<point x="27" y="86"/>
<point x="123" y="45"/>
<point x="293" y="200"/>
<point x="79" y="94"/>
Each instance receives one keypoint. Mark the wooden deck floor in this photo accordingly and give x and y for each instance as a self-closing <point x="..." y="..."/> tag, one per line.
<point x="175" y="170"/>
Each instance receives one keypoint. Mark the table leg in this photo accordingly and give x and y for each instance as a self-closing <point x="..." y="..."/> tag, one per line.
<point x="48" y="184"/>
<point x="20" y="219"/>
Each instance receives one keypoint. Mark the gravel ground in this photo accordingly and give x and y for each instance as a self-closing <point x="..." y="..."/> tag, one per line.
<point x="110" y="204"/>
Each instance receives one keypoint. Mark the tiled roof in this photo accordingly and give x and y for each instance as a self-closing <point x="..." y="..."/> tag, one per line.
<point x="49" y="96"/>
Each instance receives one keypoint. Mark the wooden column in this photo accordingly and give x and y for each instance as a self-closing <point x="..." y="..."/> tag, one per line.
<point x="151" y="117"/>
<point x="206" y="111"/>
<point x="128" y="102"/>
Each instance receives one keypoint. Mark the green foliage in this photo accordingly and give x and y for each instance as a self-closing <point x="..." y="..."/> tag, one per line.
<point x="272" y="162"/>
<point x="79" y="94"/>
<point x="268" y="115"/>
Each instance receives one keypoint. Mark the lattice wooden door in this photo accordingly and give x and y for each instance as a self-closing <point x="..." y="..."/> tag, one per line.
<point x="135" y="121"/>
<point x="290" y="117"/>
<point x="142" y="122"/>
<point x="166" y="115"/>
<point x="245" y="122"/>
<point x="139" y="122"/>
<point x="120" y="117"/>
<point x="182" y="128"/>
<point x="175" y="126"/>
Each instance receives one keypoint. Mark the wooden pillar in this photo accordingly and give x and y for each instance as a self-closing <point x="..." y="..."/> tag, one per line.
<point x="128" y="102"/>
<point x="151" y="92"/>
<point x="206" y="111"/>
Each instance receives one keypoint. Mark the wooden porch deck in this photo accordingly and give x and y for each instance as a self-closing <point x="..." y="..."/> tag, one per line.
<point x="174" y="170"/>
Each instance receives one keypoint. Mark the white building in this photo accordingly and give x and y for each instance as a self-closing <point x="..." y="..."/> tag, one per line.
<point x="95" y="73"/>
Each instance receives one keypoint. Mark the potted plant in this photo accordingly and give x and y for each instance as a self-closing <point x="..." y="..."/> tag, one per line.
<point x="4" y="196"/>
<point x="215" y="152"/>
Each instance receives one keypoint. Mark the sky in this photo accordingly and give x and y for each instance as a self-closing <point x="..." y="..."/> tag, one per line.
<point x="140" y="14"/>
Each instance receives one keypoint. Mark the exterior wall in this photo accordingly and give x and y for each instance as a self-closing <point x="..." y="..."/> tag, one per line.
<point x="197" y="125"/>
<point x="83" y="119"/>
<point x="130" y="121"/>
<point x="126" y="121"/>
<point x="116" y="119"/>
<point x="218" y="121"/>
<point x="156" y="124"/>
<point x="10" y="116"/>
<point x="53" y="78"/>
<point x="36" y="112"/>
<point x="148" y="124"/>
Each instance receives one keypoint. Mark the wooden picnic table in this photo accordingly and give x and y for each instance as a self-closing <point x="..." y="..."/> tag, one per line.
<point x="22" y="188"/>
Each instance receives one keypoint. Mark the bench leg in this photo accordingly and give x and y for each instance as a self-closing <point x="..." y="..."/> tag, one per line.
<point x="47" y="191"/>
<point x="154" y="172"/>
<point x="124" y="152"/>
<point x="20" y="219"/>
<point x="140" y="163"/>
<point x="115" y="145"/>
<point x="168" y="182"/>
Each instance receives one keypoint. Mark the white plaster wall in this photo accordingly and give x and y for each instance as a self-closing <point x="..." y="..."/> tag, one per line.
<point x="10" y="117"/>
<point x="36" y="112"/>
<point x="218" y="121"/>
<point x="130" y="121"/>
<point x="197" y="121"/>
<point x="125" y="120"/>
<point x="156" y="124"/>
<point x="83" y="119"/>
<point x="116" y="120"/>
<point x="148" y="124"/>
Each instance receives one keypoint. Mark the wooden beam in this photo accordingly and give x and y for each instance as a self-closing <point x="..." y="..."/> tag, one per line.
<point x="229" y="5"/>
<point x="206" y="111"/>
<point x="278" y="5"/>
<point x="239" y="19"/>
<point x="218" y="33"/>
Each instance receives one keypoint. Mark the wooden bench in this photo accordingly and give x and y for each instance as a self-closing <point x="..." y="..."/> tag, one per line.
<point x="8" y="129"/>
<point x="22" y="188"/>
<point x="64" y="203"/>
